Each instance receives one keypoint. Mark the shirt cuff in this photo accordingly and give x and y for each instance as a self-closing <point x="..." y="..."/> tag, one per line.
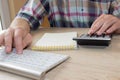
<point x="34" y="23"/>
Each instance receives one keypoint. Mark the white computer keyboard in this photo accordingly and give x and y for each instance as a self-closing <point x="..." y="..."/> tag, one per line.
<point x="33" y="60"/>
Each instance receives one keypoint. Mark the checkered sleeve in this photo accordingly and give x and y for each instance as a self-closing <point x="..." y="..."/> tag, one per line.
<point x="116" y="8"/>
<point x="34" y="11"/>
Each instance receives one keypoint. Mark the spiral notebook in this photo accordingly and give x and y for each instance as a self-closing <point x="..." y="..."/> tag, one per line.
<point x="56" y="41"/>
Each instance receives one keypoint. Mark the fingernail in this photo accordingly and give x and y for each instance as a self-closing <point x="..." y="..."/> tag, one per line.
<point x="98" y="33"/>
<point x="19" y="52"/>
<point x="108" y="31"/>
<point x="90" y="32"/>
<point x="7" y="49"/>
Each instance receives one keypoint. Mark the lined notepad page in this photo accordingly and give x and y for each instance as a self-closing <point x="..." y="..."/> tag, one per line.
<point x="56" y="41"/>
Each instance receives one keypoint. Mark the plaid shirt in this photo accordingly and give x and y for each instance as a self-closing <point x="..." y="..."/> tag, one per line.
<point x="67" y="13"/>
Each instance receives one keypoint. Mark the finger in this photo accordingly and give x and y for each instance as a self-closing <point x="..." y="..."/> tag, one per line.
<point x="2" y="37"/>
<point x="96" y="25"/>
<point x="108" y="23"/>
<point x="97" y="20"/>
<point x="113" y="28"/>
<point x="27" y="40"/>
<point x="8" y="40"/>
<point x="117" y="31"/>
<point x="18" y="35"/>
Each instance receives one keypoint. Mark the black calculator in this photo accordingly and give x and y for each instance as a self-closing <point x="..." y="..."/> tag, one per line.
<point x="95" y="40"/>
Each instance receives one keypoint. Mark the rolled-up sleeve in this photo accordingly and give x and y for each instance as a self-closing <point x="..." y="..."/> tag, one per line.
<point x="116" y="8"/>
<point x="33" y="11"/>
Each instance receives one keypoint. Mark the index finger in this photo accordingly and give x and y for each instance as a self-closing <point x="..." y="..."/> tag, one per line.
<point x="8" y="40"/>
<point x="94" y="28"/>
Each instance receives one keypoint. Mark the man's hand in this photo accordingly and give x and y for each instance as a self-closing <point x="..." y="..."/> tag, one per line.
<point x="15" y="36"/>
<point x="105" y="24"/>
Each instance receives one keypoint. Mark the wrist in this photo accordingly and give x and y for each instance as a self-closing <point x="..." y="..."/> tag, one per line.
<point x="19" y="23"/>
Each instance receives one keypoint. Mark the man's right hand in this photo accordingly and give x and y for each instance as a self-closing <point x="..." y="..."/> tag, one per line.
<point x="17" y="35"/>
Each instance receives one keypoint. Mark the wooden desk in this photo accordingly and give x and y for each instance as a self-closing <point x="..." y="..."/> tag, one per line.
<point x="86" y="63"/>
